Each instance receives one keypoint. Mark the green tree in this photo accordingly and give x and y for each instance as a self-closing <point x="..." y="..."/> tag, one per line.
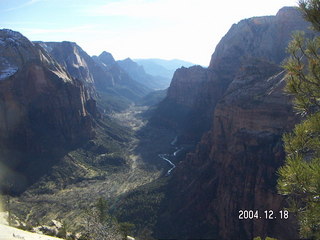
<point x="299" y="178"/>
<point x="102" y="209"/>
<point x="100" y="225"/>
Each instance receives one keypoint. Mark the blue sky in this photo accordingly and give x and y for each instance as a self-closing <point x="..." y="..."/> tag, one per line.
<point x="168" y="29"/>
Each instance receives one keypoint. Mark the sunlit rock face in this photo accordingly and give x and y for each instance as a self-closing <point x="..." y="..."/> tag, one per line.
<point x="194" y="92"/>
<point x="43" y="110"/>
<point x="235" y="163"/>
<point x="98" y="73"/>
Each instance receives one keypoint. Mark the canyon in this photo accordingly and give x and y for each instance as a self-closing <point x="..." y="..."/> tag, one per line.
<point x="75" y="128"/>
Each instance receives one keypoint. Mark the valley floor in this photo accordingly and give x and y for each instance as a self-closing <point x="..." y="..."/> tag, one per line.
<point x="73" y="186"/>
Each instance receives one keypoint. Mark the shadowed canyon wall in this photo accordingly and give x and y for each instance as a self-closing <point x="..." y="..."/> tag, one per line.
<point x="235" y="163"/>
<point x="44" y="112"/>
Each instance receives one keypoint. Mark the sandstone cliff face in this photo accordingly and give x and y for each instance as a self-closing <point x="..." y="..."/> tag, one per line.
<point x="72" y="57"/>
<point x="179" y="110"/>
<point x="78" y="63"/>
<point x="43" y="110"/>
<point x="194" y="92"/>
<point x="186" y="84"/>
<point x="262" y="38"/>
<point x="234" y="165"/>
<point x="235" y="162"/>
<point x="257" y="37"/>
<point x="98" y="74"/>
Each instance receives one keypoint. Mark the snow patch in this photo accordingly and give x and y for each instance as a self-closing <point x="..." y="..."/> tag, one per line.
<point x="12" y="33"/>
<point x="8" y="72"/>
<point x="6" y="69"/>
<point x="8" y="36"/>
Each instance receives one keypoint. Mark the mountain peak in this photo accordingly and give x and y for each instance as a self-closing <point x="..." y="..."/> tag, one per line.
<point x="15" y="51"/>
<point x="288" y="14"/>
<point x="128" y="60"/>
<point x="8" y="36"/>
<point x="106" y="58"/>
<point x="10" y="33"/>
<point x="288" y="11"/>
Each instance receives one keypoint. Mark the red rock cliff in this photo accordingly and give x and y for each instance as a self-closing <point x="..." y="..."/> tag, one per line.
<point x="43" y="110"/>
<point x="234" y="166"/>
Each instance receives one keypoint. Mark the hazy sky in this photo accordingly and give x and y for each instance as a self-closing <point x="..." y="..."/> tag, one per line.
<point x="183" y="29"/>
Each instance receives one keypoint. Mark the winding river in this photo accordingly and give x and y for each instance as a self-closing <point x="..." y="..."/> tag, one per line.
<point x="166" y="157"/>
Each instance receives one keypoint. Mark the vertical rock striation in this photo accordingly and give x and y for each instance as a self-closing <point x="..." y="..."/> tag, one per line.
<point x="99" y="74"/>
<point x="43" y="110"/>
<point x="234" y="165"/>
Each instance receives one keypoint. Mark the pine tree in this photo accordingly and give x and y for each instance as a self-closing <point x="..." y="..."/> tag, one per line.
<point x="299" y="178"/>
<point x="100" y="225"/>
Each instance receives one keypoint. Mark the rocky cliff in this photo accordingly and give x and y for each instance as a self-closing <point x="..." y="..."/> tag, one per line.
<point x="101" y="75"/>
<point x="194" y="92"/>
<point x="138" y="74"/>
<point x="234" y="165"/>
<point x="177" y="111"/>
<point x="43" y="110"/>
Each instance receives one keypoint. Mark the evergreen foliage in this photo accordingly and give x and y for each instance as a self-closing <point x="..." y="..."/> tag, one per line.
<point x="299" y="178"/>
<point x="99" y="224"/>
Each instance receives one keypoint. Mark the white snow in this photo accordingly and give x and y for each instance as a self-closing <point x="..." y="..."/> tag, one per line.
<point x="6" y="69"/>
<point x="8" y="72"/>
<point x="12" y="36"/>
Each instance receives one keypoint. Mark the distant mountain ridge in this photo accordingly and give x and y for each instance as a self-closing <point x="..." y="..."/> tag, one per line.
<point x="161" y="67"/>
<point x="138" y="73"/>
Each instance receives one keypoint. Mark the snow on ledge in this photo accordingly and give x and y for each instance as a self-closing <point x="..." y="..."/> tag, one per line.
<point x="6" y="69"/>
<point x="8" y="72"/>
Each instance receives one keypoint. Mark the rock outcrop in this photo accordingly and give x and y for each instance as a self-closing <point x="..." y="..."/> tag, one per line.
<point x="101" y="75"/>
<point x="186" y="84"/>
<point x="194" y="92"/>
<point x="178" y="111"/>
<point x="106" y="58"/>
<point x="43" y="110"/>
<point x="234" y="166"/>
<point x="138" y="74"/>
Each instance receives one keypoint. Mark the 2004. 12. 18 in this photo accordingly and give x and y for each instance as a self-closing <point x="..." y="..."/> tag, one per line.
<point x="264" y="214"/>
